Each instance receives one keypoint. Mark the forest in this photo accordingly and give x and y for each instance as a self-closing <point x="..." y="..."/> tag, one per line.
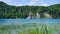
<point x="11" y="12"/>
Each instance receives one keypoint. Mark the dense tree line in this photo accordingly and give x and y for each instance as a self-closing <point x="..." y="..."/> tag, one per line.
<point x="8" y="11"/>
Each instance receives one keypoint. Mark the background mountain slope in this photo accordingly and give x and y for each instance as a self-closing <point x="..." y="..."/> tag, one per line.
<point x="8" y="11"/>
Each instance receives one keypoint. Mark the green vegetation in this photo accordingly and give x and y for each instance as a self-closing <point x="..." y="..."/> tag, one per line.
<point x="8" y="11"/>
<point x="32" y="28"/>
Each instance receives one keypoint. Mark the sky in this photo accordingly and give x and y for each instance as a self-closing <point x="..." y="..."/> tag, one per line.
<point x="31" y="2"/>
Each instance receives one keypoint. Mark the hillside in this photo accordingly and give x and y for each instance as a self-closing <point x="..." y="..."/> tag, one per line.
<point x="8" y="11"/>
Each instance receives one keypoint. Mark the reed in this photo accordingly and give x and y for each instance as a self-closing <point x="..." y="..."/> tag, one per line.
<point x="34" y="29"/>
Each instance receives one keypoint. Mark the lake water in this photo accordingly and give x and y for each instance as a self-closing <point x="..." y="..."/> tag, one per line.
<point x="22" y="21"/>
<point x="26" y="22"/>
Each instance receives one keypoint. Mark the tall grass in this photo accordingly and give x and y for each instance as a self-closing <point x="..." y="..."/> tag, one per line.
<point x="29" y="29"/>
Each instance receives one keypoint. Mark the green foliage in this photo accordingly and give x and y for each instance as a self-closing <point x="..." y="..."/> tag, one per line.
<point x="7" y="11"/>
<point x="30" y="29"/>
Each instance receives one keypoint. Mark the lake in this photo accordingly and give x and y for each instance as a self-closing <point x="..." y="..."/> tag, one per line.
<point x="46" y="21"/>
<point x="29" y="26"/>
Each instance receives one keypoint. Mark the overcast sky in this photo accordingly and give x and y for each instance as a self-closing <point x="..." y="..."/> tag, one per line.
<point x="31" y="2"/>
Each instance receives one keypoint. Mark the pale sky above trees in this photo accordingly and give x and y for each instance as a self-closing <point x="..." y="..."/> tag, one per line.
<point x="31" y="2"/>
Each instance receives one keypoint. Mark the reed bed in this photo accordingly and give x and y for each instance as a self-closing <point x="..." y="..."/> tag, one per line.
<point x="30" y="29"/>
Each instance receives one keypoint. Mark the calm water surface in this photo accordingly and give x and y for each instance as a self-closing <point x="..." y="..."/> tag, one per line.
<point x="22" y="21"/>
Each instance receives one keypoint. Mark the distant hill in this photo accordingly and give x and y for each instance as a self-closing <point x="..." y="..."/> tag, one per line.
<point x="8" y="11"/>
